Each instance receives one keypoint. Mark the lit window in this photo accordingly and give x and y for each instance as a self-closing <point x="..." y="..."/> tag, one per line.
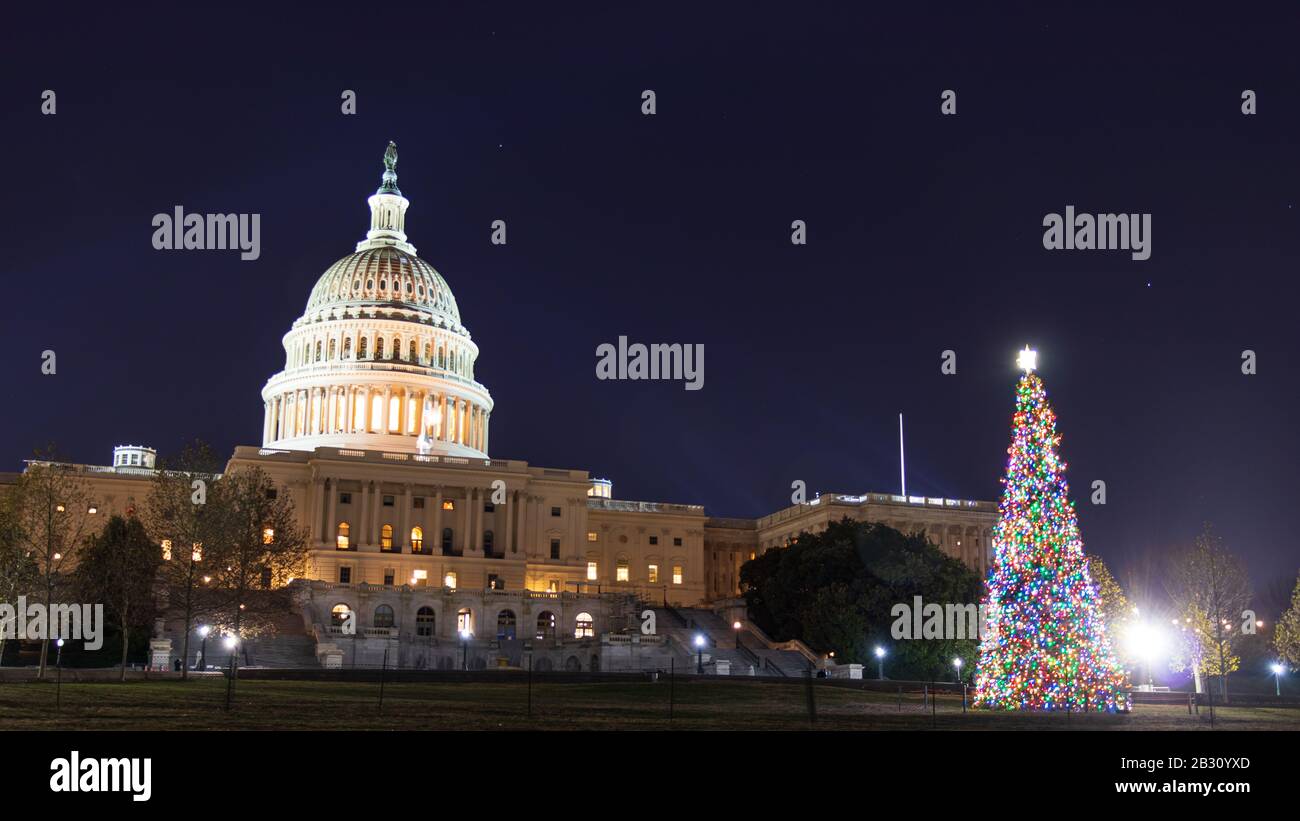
<point x="167" y="550"/>
<point x="449" y="581"/>
<point x="751" y="555"/>
<point x="592" y="571"/>
<point x="386" y="537"/>
<point x="591" y="536"/>
<point x="417" y="539"/>
<point x="553" y="586"/>
<point x="419" y="578"/>
<point x="677" y="574"/>
<point x="464" y="620"/>
<point x="652" y="573"/>
<point x="620" y="572"/>
<point x="339" y="614"/>
<point x="448" y="504"/>
<point x="93" y="510"/>
<point x="584" y="629"/>
<point x="268" y="535"/>
<point x="344" y="530"/>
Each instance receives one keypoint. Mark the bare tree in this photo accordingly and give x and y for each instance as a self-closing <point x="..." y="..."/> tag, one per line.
<point x="1209" y="585"/>
<point x="18" y="571"/>
<point x="51" y="520"/>
<point x="1286" y="637"/>
<point x="181" y="521"/>
<point x="261" y="549"/>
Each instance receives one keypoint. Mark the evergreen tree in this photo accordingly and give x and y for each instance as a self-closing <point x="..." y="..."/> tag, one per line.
<point x="1047" y="647"/>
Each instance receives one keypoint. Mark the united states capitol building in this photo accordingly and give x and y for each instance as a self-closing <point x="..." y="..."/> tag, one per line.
<point x="444" y="555"/>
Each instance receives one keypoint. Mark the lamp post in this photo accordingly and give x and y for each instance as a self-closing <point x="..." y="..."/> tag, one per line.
<point x="203" y="646"/>
<point x="699" y="653"/>
<point x="58" y="673"/>
<point x="1278" y="670"/>
<point x="957" y="663"/>
<point x="465" y="636"/>
<point x="737" y="627"/>
<point x="232" y="642"/>
<point x="880" y="662"/>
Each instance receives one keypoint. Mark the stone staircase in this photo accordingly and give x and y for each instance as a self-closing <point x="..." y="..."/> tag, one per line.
<point x="755" y="656"/>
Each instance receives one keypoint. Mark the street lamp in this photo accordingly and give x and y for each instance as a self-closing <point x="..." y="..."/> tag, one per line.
<point x="699" y="653"/>
<point x="1146" y="642"/>
<point x="880" y="662"/>
<point x="735" y="625"/>
<point x="203" y="646"/>
<point x="1278" y="670"/>
<point x="465" y="636"/>
<point x="957" y="663"/>
<point x="58" y="668"/>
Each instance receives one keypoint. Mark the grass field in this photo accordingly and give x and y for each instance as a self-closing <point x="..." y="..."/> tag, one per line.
<point x="700" y="704"/>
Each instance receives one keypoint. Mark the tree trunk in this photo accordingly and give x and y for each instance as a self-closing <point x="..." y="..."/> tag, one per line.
<point x="45" y="642"/>
<point x="126" y="640"/>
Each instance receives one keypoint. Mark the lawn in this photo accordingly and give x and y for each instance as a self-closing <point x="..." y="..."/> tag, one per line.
<point x="698" y="704"/>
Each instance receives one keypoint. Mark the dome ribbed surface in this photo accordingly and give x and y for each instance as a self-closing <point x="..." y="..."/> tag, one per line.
<point x="386" y="277"/>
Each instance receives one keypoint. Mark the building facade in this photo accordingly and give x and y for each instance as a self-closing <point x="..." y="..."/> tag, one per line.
<point x="378" y="430"/>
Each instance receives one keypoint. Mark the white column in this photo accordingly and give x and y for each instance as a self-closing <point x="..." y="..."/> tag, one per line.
<point x="331" y="523"/>
<point x="508" y="546"/>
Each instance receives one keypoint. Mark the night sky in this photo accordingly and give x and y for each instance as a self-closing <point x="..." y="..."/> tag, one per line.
<point x="924" y="235"/>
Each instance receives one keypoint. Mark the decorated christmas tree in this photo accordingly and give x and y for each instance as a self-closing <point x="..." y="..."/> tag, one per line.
<point x="1046" y="646"/>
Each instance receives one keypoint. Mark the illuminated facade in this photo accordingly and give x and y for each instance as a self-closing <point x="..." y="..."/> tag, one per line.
<point x="379" y="432"/>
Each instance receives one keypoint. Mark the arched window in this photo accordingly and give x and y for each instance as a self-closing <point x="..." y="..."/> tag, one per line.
<point x="545" y="625"/>
<point x="362" y="347"/>
<point x="347" y="348"/>
<point x="339" y="614"/>
<point x="397" y="348"/>
<point x="487" y="542"/>
<point x="344" y="531"/>
<point x="318" y="350"/>
<point x="428" y="353"/>
<point x="621" y="570"/>
<point x="386" y="537"/>
<point x="506" y="625"/>
<point x="331" y="350"/>
<point x="379" y="348"/>
<point x="412" y="354"/>
<point x="446" y="541"/>
<point x="417" y="539"/>
<point x="383" y="616"/>
<point x="584" y="629"/>
<point x="424" y="622"/>
<point x="464" y="621"/>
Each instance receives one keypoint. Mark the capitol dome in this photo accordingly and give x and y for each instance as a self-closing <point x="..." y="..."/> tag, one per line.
<point x="385" y="277"/>
<point x="379" y="359"/>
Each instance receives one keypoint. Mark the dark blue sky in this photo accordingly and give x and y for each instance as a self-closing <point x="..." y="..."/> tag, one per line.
<point x="924" y="235"/>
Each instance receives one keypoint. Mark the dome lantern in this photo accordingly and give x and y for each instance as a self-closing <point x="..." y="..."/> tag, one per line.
<point x="388" y="210"/>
